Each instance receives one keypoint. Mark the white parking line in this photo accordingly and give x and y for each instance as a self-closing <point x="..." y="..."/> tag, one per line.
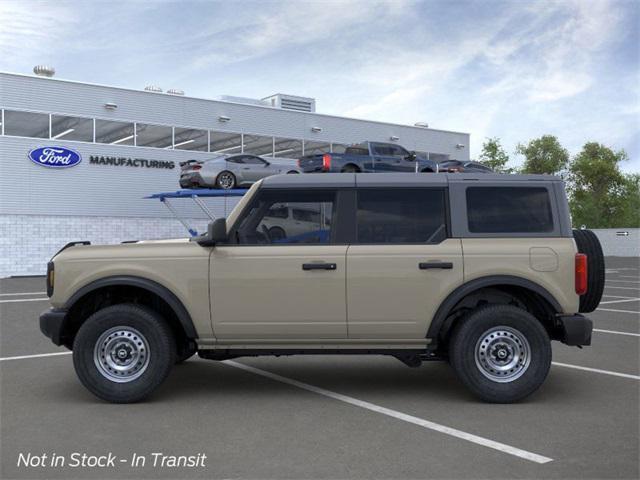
<point x="628" y="276"/>
<point x="24" y="300"/>
<point x="40" y="355"/>
<point x="616" y="332"/>
<point x="16" y="294"/>
<point x="485" y="442"/>
<point x="615" y="287"/>
<point x="620" y="301"/>
<point x="597" y="370"/>
<point x="615" y="296"/>
<point x="623" y="281"/>
<point x="617" y="311"/>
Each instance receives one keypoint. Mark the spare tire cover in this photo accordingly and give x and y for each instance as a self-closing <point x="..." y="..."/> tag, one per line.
<point x="588" y="243"/>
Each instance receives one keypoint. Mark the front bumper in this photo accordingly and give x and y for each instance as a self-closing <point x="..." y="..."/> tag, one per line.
<point x="52" y="324"/>
<point x="575" y="329"/>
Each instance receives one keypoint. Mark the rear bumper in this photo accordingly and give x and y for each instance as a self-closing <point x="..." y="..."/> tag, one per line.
<point x="576" y="329"/>
<point x="188" y="180"/>
<point x="52" y="324"/>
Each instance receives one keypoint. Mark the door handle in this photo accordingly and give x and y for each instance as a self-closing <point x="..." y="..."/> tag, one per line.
<point x="430" y="265"/>
<point x="319" y="266"/>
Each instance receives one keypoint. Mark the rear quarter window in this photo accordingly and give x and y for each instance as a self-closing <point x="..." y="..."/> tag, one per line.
<point x="509" y="210"/>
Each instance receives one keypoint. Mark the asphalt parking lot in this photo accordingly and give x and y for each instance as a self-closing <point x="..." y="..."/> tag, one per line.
<point x="327" y="417"/>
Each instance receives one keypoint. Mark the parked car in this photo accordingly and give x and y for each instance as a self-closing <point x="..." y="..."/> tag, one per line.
<point x="479" y="270"/>
<point x="285" y="224"/>
<point x="231" y="171"/>
<point x="370" y="157"/>
<point x="459" y="166"/>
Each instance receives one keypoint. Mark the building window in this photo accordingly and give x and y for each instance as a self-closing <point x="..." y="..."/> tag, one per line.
<point x="157" y="136"/>
<point x="258" y="145"/>
<point x="26" y="124"/>
<point x="191" y="139"/>
<point x="401" y="216"/>
<point x="509" y="210"/>
<point x="71" y="128"/>
<point x="114" y="133"/>
<point x="313" y="148"/>
<point x="287" y="148"/>
<point x="225" y="143"/>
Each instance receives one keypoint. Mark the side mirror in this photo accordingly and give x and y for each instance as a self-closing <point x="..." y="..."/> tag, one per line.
<point x="216" y="233"/>
<point x="217" y="230"/>
<point x="412" y="156"/>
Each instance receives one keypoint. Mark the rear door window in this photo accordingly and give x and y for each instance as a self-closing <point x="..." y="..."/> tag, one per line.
<point x="396" y="216"/>
<point x="509" y="210"/>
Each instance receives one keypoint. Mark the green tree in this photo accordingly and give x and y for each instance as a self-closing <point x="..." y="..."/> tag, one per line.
<point x="543" y="155"/>
<point x="494" y="156"/>
<point x="630" y="215"/>
<point x="601" y="195"/>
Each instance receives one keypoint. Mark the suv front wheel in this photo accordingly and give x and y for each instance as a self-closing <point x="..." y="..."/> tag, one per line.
<point x="123" y="352"/>
<point x="501" y="353"/>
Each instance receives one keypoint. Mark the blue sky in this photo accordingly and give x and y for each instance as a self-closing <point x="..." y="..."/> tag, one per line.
<point x="514" y="70"/>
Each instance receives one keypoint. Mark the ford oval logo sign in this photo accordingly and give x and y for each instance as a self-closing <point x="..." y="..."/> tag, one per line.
<point x="55" y="157"/>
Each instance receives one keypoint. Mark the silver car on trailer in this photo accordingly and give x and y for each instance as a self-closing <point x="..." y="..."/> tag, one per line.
<point x="231" y="171"/>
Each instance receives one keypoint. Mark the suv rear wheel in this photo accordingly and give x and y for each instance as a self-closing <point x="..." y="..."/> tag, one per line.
<point x="501" y="353"/>
<point x="123" y="352"/>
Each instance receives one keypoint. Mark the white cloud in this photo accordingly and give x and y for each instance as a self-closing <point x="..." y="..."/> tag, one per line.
<point x="28" y="28"/>
<point x="292" y="23"/>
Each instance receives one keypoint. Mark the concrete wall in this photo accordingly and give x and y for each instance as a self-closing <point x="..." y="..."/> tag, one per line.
<point x="28" y="242"/>
<point x="616" y="245"/>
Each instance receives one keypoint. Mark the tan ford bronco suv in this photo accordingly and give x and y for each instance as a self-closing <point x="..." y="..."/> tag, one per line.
<point x="480" y="270"/>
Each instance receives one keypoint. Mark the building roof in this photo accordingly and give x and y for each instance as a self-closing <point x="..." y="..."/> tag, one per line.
<point x="177" y="97"/>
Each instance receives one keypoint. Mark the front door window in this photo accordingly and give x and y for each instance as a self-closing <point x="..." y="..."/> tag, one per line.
<point x="288" y="217"/>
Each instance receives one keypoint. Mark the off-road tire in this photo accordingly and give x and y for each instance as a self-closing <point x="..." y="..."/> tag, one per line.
<point x="588" y="243"/>
<point x="350" y="169"/>
<point x="161" y="352"/>
<point x="466" y="338"/>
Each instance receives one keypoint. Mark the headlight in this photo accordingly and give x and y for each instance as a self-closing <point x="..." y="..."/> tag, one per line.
<point x="50" y="278"/>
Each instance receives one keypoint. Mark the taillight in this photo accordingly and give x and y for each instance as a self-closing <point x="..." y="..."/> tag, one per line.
<point x="299" y="162"/>
<point x="581" y="273"/>
<point x="326" y="162"/>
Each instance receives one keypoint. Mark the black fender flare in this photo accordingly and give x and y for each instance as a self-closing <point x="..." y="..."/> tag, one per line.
<point x="154" y="287"/>
<point x="493" y="280"/>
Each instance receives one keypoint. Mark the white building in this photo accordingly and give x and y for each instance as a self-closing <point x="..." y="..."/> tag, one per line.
<point x="42" y="208"/>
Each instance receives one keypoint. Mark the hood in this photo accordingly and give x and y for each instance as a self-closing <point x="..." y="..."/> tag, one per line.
<point x="84" y="250"/>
